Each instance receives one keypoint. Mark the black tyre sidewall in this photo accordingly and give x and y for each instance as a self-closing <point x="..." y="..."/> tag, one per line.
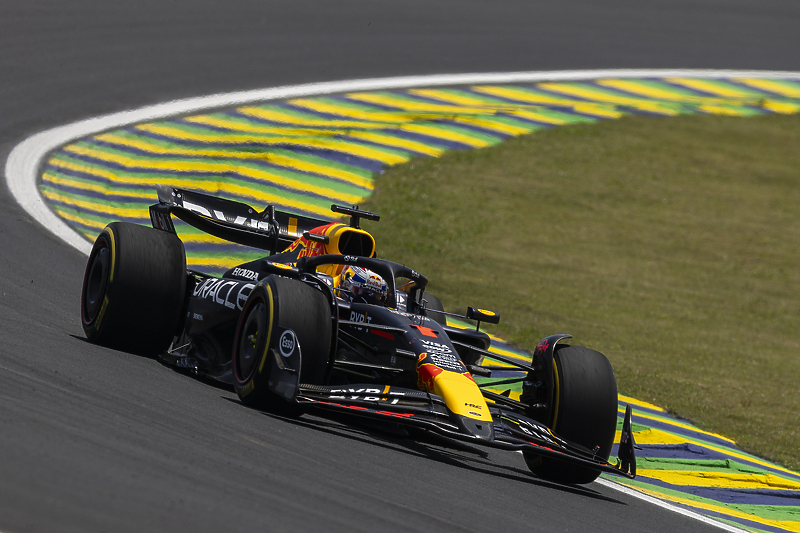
<point x="145" y="289"/>
<point x="585" y="414"/>
<point x="296" y="306"/>
<point x="253" y="388"/>
<point x="587" y="410"/>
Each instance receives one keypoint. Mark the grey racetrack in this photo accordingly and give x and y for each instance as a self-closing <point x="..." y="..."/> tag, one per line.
<point x="97" y="440"/>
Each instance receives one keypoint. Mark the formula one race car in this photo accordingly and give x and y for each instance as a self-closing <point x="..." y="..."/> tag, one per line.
<point x="322" y="323"/>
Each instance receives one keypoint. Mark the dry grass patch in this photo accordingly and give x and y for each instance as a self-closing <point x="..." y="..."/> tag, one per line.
<point x="670" y="244"/>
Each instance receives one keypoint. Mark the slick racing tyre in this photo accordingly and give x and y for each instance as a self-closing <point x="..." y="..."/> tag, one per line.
<point x="276" y="306"/>
<point x="134" y="288"/>
<point x="585" y="412"/>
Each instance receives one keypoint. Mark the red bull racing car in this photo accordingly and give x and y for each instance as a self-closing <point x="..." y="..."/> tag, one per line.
<point x="321" y="322"/>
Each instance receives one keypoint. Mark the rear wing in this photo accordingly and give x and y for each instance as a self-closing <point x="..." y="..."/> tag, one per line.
<point x="232" y="221"/>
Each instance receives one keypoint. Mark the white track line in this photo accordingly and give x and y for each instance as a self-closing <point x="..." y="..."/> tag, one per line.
<point x="25" y="160"/>
<point x="660" y="503"/>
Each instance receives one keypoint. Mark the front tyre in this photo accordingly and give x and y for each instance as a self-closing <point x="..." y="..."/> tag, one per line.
<point x="274" y="306"/>
<point x="134" y="288"/>
<point x="584" y="412"/>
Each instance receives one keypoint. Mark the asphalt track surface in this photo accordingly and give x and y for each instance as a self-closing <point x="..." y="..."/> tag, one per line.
<point x="98" y="440"/>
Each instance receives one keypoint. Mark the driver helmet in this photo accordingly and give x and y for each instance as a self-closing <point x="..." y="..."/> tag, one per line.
<point x="362" y="285"/>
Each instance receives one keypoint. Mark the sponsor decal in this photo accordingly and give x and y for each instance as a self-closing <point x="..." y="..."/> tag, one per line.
<point x="428" y="332"/>
<point x="409" y="315"/>
<point x="283" y="266"/>
<point x="360" y="317"/>
<point x="219" y="215"/>
<point x="401" y="300"/>
<point x="472" y="405"/>
<point x="161" y="221"/>
<point x="367" y="395"/>
<point x="245" y="273"/>
<point x="442" y="356"/>
<point x="197" y="316"/>
<point x="426" y="374"/>
<point x="309" y="248"/>
<point x="473" y="413"/>
<point x="231" y="294"/>
<point x="542" y="346"/>
<point x="287" y="343"/>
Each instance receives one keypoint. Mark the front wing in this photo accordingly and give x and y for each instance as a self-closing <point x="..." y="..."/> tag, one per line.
<point x="512" y="431"/>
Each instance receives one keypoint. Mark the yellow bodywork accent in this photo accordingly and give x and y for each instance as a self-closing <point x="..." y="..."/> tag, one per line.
<point x="462" y="395"/>
<point x="336" y="231"/>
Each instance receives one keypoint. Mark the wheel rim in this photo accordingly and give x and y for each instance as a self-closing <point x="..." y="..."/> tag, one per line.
<point x="96" y="281"/>
<point x="251" y="341"/>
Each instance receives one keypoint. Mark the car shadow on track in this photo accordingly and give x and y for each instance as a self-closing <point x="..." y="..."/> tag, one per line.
<point x="425" y="445"/>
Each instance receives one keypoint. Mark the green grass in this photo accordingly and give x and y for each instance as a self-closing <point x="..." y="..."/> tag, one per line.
<point x="672" y="245"/>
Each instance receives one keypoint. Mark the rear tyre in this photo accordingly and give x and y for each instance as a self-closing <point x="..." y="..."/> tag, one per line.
<point x="585" y="412"/>
<point x="277" y="304"/>
<point x="134" y="288"/>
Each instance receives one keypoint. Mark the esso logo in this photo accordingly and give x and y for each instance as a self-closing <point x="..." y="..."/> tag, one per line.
<point x="287" y="343"/>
